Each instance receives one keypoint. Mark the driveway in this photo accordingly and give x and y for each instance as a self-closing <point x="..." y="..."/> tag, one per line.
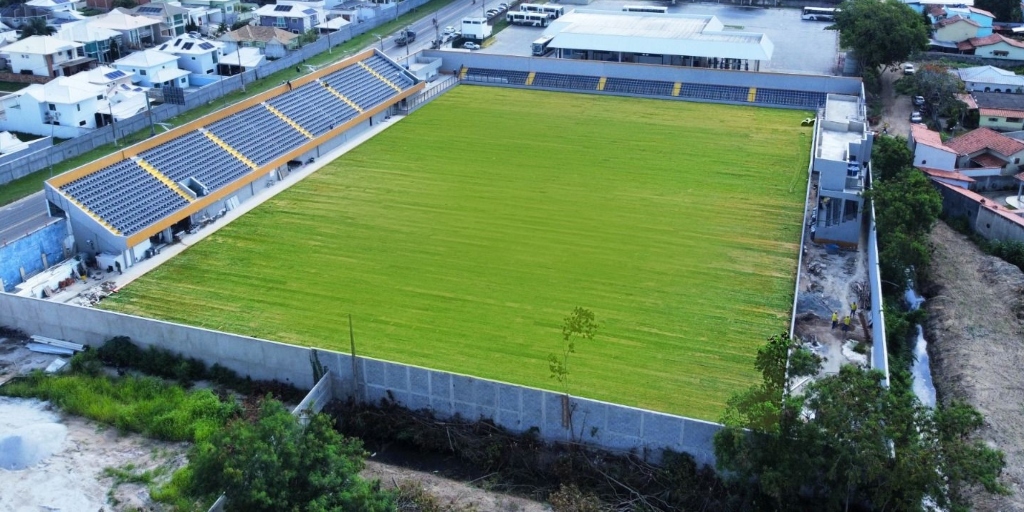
<point x="896" y="108"/>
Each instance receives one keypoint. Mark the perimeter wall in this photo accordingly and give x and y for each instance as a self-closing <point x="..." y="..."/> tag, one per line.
<point x="517" y="408"/>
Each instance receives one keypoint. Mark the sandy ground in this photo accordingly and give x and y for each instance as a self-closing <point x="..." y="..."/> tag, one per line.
<point x="452" y="494"/>
<point x="975" y="325"/>
<point x="896" y="109"/>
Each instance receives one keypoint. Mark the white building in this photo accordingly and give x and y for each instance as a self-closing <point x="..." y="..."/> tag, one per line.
<point x="990" y="79"/>
<point x="670" y="39"/>
<point x="995" y="46"/>
<point x="840" y="163"/>
<point x="241" y="60"/>
<point x="45" y="56"/>
<point x="135" y="31"/>
<point x="55" y="6"/>
<point x="272" y="42"/>
<point x="195" y="54"/>
<point x="152" y="68"/>
<point x="928" y="149"/>
<point x="63" y="107"/>
<point x="95" y="39"/>
<point x="476" y="28"/>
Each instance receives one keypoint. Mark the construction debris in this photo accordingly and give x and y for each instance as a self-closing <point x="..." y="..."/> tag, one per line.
<point x="91" y="296"/>
<point x="77" y="347"/>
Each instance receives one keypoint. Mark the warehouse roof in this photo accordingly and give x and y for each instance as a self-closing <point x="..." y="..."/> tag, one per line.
<point x="660" y="34"/>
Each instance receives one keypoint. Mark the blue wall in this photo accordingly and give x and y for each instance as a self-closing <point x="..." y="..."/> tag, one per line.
<point x="25" y="252"/>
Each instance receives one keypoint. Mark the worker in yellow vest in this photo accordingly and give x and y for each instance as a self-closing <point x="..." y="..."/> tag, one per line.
<point x="835" y="319"/>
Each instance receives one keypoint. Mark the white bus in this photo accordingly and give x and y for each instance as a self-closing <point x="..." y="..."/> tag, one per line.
<point x="645" y="8"/>
<point x="819" y="14"/>
<point x="529" y="19"/>
<point x="540" y="46"/>
<point x="553" y="11"/>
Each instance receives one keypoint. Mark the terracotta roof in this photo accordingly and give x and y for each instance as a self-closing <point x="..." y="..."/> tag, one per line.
<point x="937" y="10"/>
<point x="976" y="42"/>
<point x="967" y="99"/>
<point x="982" y="12"/>
<point x="1001" y="112"/>
<point x="955" y="19"/>
<point x="952" y="175"/>
<point x="262" y="34"/>
<point x="922" y="135"/>
<point x="990" y="161"/>
<point x="984" y="138"/>
<point x="987" y="203"/>
<point x="1019" y="176"/>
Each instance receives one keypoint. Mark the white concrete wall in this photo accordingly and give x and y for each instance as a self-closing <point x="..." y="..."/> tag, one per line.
<point x="518" y="408"/>
<point x="999" y="123"/>
<point x="36" y="64"/>
<point x="927" y="156"/>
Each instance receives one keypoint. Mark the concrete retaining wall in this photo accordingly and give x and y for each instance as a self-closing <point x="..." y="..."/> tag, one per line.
<point x="879" y="347"/>
<point x="518" y="408"/>
<point x="26" y="253"/>
<point x="985" y="219"/>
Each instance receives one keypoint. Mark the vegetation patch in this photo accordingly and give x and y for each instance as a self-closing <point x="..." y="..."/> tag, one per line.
<point x="459" y="237"/>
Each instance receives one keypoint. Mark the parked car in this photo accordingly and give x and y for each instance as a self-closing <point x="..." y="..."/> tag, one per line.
<point x="908" y="69"/>
<point x="503" y="6"/>
<point x="470" y="45"/>
<point x="918" y="101"/>
<point x="449" y="30"/>
<point x="405" y="37"/>
<point x="492" y="13"/>
<point x="915" y="117"/>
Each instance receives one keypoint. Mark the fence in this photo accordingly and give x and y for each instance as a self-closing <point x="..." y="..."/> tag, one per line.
<point x="71" y="148"/>
<point x="413" y="104"/>
<point x="517" y="408"/>
<point x="879" y="349"/>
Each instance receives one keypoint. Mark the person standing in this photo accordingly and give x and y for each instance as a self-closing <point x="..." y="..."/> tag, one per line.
<point x="846" y="324"/>
<point x="853" y="308"/>
<point x="835" y="320"/>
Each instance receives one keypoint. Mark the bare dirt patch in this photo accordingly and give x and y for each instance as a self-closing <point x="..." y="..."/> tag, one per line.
<point x="975" y="325"/>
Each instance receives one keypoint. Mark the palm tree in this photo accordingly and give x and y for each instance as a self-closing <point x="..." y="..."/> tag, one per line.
<point x="36" y="27"/>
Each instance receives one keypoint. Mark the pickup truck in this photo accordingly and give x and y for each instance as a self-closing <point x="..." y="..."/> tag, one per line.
<point x="405" y="38"/>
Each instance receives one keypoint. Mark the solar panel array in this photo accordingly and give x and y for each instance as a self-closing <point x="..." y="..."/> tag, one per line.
<point x="130" y="198"/>
<point x="706" y="92"/>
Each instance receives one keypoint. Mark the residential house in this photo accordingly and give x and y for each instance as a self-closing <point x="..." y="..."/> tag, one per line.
<point x="983" y="18"/>
<point x="840" y="163"/>
<point x="296" y="17"/>
<point x="999" y="111"/>
<point x="15" y="15"/>
<point x="172" y="18"/>
<point x="990" y="79"/>
<point x="46" y="56"/>
<point x="953" y="178"/>
<point x="96" y="41"/>
<point x="995" y="46"/>
<point x="271" y="41"/>
<point x="109" y="77"/>
<point x="929" y="150"/>
<point x="240" y="60"/>
<point x="955" y="29"/>
<point x="136" y="31"/>
<point x="987" y="156"/>
<point x="63" y="107"/>
<point x="55" y="6"/>
<point x="152" y="68"/>
<point x="195" y="54"/>
<point x="108" y="5"/>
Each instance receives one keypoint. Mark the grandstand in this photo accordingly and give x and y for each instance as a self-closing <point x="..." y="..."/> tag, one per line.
<point x="652" y="88"/>
<point x="141" y="195"/>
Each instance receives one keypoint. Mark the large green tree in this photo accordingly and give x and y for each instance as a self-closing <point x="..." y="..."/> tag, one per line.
<point x="848" y="442"/>
<point x="36" y="27"/>
<point x="881" y="32"/>
<point x="1004" y="10"/>
<point x="272" y="463"/>
<point x="906" y="208"/>
<point x="890" y="156"/>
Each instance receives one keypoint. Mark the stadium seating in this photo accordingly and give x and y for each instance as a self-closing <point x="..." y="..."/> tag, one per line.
<point x="496" y="76"/>
<point x="126" y="196"/>
<point x="642" y="87"/>
<point x="195" y="156"/>
<point x="714" y="92"/>
<point x="812" y="100"/>
<point x="572" y="82"/>
<point x="129" y="198"/>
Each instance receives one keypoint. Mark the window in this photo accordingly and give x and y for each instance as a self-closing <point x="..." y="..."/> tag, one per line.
<point x="52" y="107"/>
<point x="1012" y="119"/>
<point x="143" y="72"/>
<point x="193" y="58"/>
<point x="81" y="123"/>
<point x="100" y="97"/>
<point x="182" y="80"/>
<point x="850" y="211"/>
<point x="79" y="105"/>
<point x="1000" y="53"/>
<point x="994" y="119"/>
<point x="280" y="22"/>
<point x="833" y="209"/>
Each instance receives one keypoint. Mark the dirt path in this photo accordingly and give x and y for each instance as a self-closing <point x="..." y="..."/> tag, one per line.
<point x="975" y="328"/>
<point x="896" y="109"/>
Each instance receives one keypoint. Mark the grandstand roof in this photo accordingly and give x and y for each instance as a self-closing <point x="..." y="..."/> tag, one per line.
<point x="660" y="34"/>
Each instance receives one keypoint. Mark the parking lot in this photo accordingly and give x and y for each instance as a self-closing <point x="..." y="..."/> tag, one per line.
<point x="800" y="46"/>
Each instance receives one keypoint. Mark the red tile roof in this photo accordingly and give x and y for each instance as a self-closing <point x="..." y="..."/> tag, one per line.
<point x="952" y="175"/>
<point x="984" y="138"/>
<point x="989" y="160"/>
<point x="967" y="99"/>
<point x="922" y="135"/>
<point x="987" y="203"/>
<point x="977" y="42"/>
<point x="1001" y="112"/>
<point x="1019" y="176"/>
<point x="937" y="10"/>
<point x="955" y="19"/>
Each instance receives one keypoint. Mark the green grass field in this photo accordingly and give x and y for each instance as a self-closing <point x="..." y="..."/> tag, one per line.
<point x="461" y="237"/>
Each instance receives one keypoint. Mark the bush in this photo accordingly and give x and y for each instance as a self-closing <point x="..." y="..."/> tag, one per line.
<point x="1011" y="251"/>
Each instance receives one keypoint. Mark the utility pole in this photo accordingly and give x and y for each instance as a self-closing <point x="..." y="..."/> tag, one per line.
<point x="113" y="125"/>
<point x="408" y="30"/>
<point x="241" y="70"/>
<point x="149" y="112"/>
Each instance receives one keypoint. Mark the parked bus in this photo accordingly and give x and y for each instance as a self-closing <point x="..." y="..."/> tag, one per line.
<point x="553" y="11"/>
<point x="540" y="46"/>
<point x="645" y="8"/>
<point x="529" y="19"/>
<point x="819" y="14"/>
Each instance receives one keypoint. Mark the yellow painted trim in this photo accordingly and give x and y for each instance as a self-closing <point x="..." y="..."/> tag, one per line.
<point x="341" y="97"/>
<point x="601" y="82"/>
<point x="380" y="76"/>
<point x="677" y="88"/>
<point x="227" y="147"/>
<point x="162" y="178"/>
<point x="530" y="77"/>
<point x="752" y="94"/>
<point x="289" y="120"/>
<point x="226" y="191"/>
<point x="94" y="216"/>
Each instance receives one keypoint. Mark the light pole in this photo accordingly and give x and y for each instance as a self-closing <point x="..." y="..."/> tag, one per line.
<point x="149" y="112"/>
<point x="54" y="118"/>
<point x="408" y="30"/>
<point x="113" y="126"/>
<point x="241" y="70"/>
<point x="381" y="39"/>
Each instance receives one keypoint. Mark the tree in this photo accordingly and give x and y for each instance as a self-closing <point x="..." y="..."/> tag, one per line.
<point x="890" y="156"/>
<point x="578" y="325"/>
<point x="114" y="51"/>
<point x="850" y="441"/>
<point x="883" y="33"/>
<point x="272" y="463"/>
<point x="906" y="208"/>
<point x="1004" y="10"/>
<point x="940" y="88"/>
<point x="36" y="27"/>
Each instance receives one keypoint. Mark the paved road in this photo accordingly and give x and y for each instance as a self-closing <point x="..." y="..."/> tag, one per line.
<point x="450" y="14"/>
<point x="23" y="216"/>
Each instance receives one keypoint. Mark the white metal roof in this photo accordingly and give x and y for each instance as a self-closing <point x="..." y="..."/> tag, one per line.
<point x="41" y="45"/>
<point x="167" y="74"/>
<point x="146" y="58"/>
<point x="64" y="90"/>
<point x="251" y="57"/>
<point x="989" y="75"/>
<point x="119" y="19"/>
<point x="659" y="34"/>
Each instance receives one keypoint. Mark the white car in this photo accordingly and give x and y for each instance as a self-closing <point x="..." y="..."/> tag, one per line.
<point x="449" y="30"/>
<point x="915" y="117"/>
<point x="469" y="45"/>
<point x="908" y="69"/>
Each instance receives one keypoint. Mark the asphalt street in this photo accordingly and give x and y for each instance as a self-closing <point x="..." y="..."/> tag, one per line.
<point x="23" y="216"/>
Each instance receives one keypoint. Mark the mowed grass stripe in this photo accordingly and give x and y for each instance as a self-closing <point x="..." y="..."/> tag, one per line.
<point x="459" y="239"/>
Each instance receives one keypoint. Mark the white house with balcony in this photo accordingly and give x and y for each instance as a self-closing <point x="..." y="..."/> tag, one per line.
<point x="196" y="55"/>
<point x="135" y="31"/>
<point x="840" y="163"/>
<point x="172" y="18"/>
<point x="45" y="56"/>
<point x="152" y="68"/>
<point x="63" y="107"/>
<point x="96" y="40"/>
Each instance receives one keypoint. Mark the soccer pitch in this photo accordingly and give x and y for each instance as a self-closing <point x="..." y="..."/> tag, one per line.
<point x="460" y="238"/>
